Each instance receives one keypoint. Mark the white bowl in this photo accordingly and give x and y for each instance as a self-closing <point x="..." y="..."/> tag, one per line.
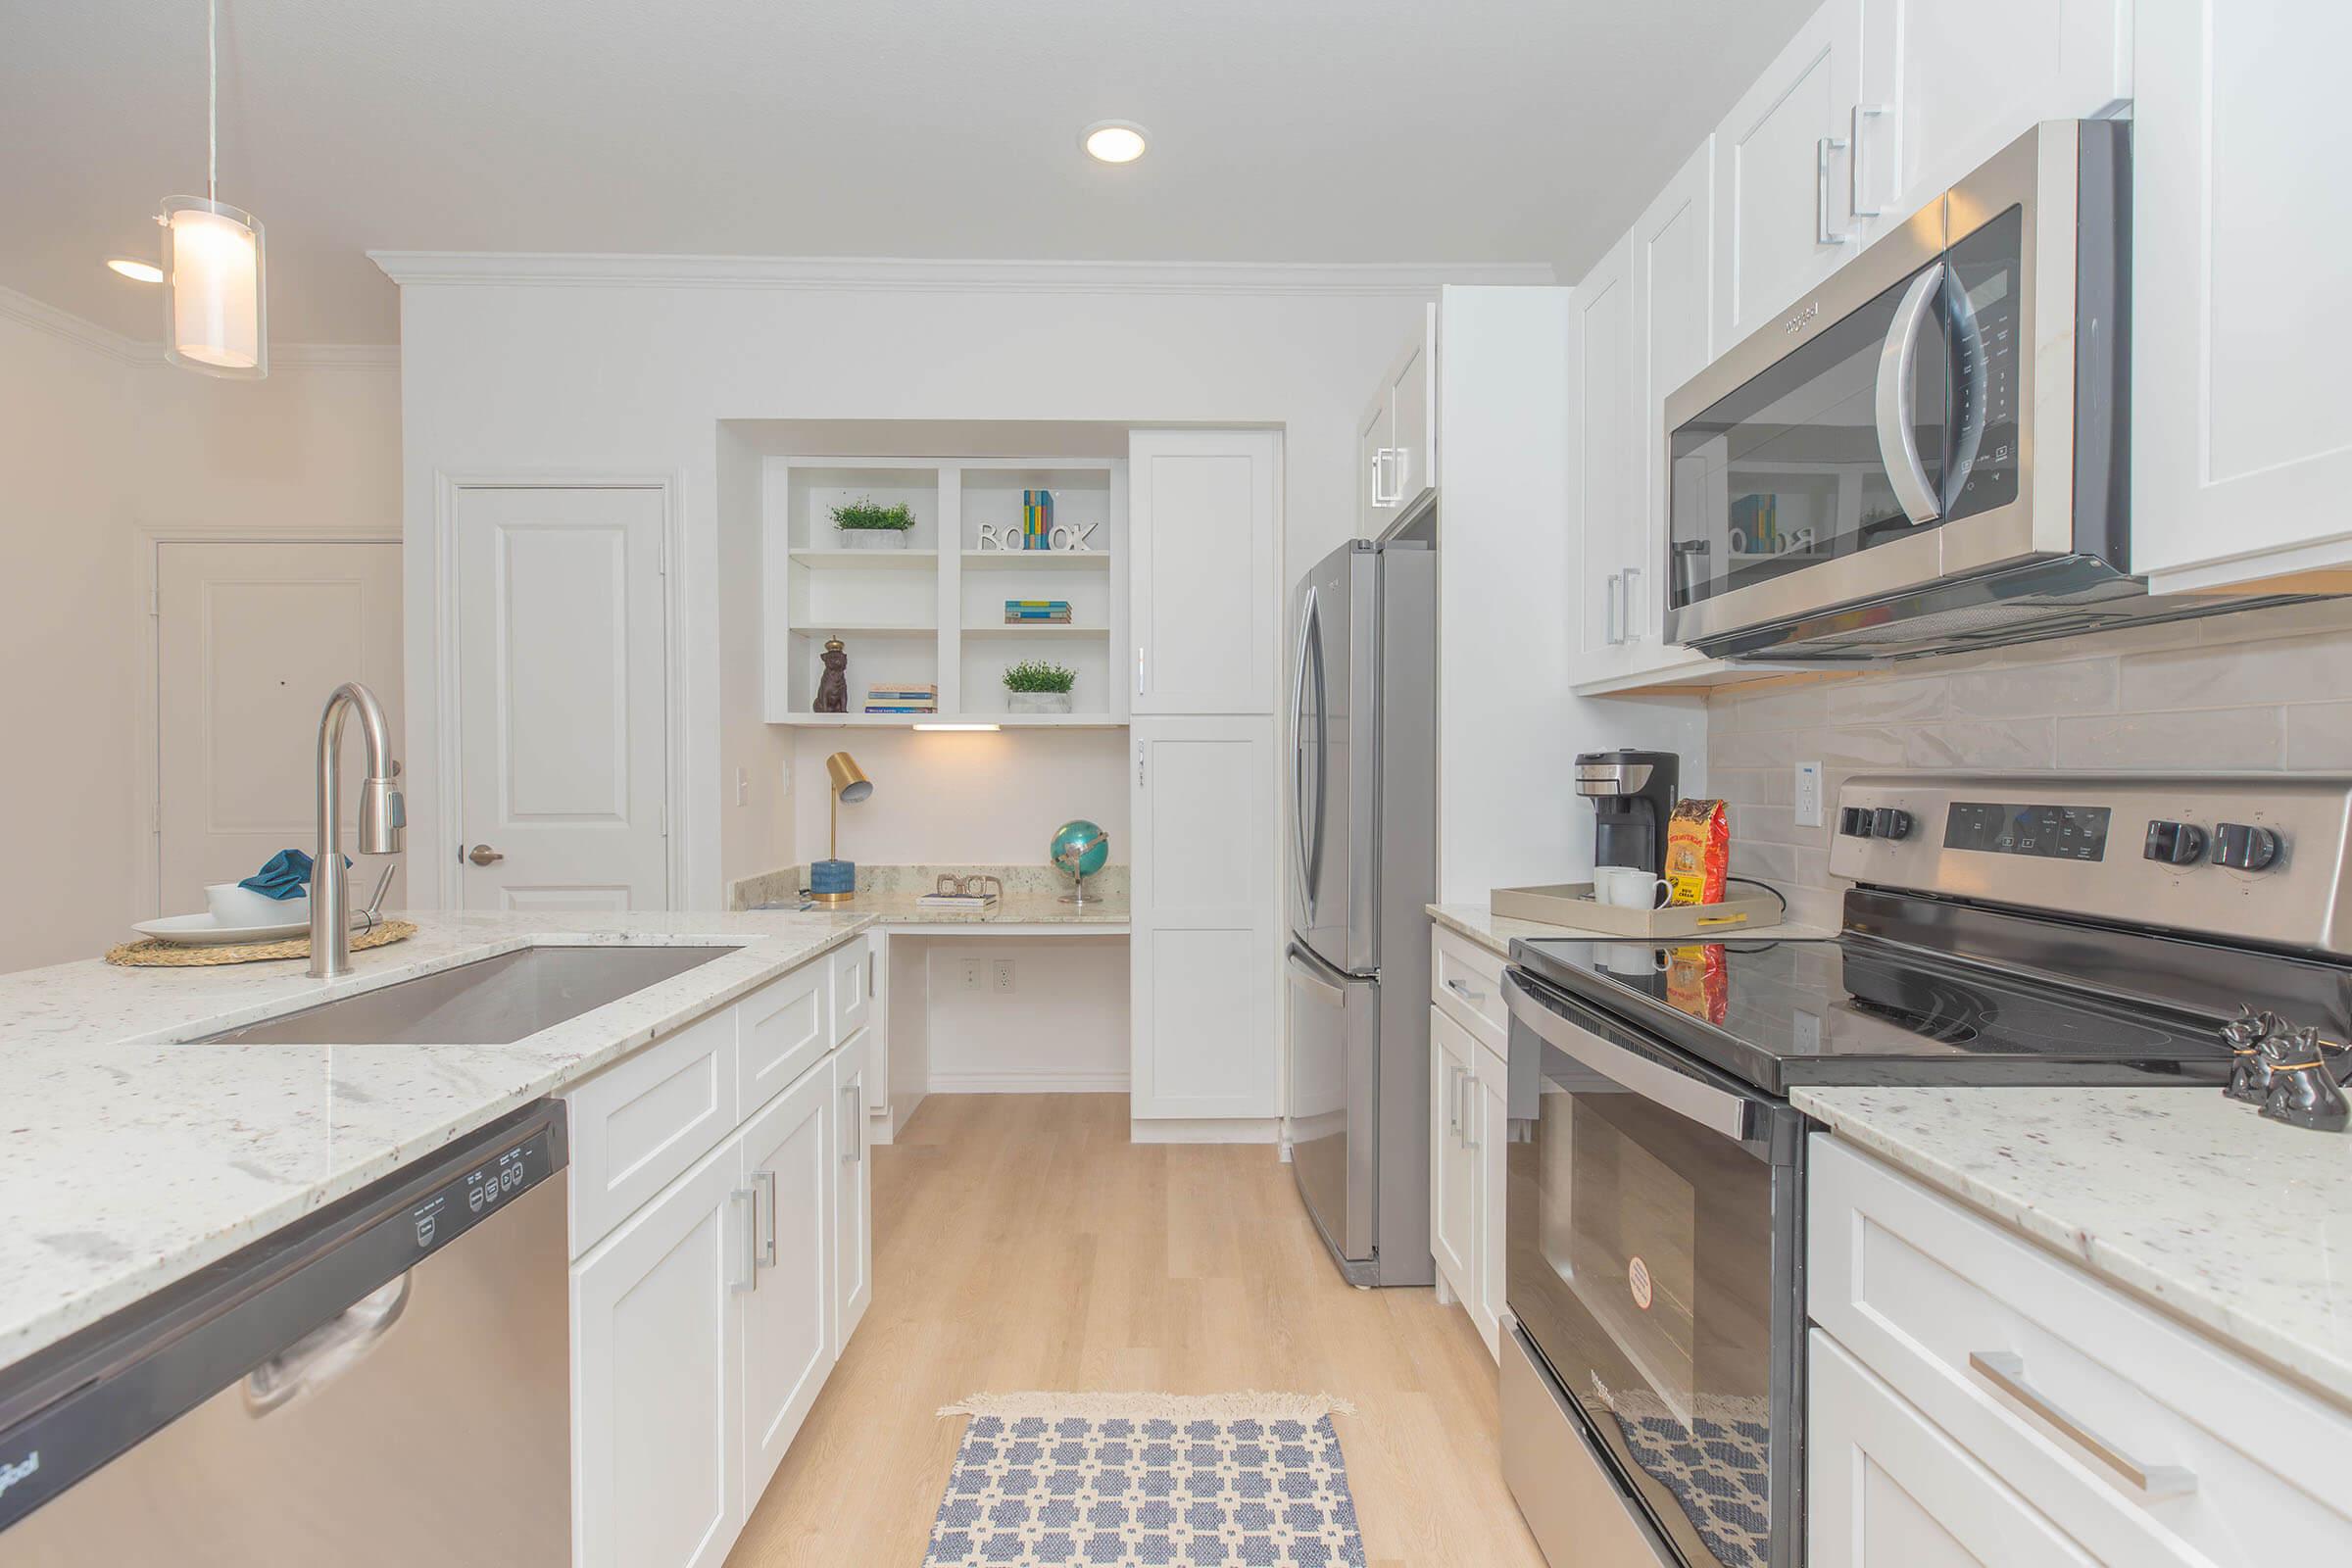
<point x="235" y="906"/>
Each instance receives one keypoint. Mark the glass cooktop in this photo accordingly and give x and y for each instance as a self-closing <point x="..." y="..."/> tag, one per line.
<point x="1849" y="1010"/>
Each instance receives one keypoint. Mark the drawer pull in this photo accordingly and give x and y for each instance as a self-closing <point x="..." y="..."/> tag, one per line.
<point x="2007" y="1373"/>
<point x="1474" y="997"/>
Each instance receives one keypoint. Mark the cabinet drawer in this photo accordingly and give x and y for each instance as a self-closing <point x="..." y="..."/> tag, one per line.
<point x="646" y="1119"/>
<point x="851" y="969"/>
<point x="1466" y="980"/>
<point x="782" y="1031"/>
<point x="2142" y="1440"/>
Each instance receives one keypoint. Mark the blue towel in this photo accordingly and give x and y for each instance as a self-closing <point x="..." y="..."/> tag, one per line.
<point x="286" y="876"/>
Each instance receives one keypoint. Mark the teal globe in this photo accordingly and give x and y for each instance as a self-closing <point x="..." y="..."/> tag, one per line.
<point x="1080" y="848"/>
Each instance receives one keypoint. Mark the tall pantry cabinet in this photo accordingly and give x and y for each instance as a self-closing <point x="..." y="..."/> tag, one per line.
<point x="1203" y="526"/>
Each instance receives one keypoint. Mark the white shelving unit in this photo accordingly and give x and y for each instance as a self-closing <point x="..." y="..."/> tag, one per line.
<point x="932" y="614"/>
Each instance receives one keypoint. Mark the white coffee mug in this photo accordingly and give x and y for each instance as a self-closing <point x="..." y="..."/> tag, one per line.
<point x="1628" y="886"/>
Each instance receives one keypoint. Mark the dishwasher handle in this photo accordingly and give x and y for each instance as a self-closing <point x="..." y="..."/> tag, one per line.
<point x="328" y="1351"/>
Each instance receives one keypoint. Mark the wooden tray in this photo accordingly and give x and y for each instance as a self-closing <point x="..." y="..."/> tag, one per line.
<point x="1572" y="904"/>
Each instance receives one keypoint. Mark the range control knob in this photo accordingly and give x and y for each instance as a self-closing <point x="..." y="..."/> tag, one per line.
<point x="2181" y="843"/>
<point x="1854" y="821"/>
<point x="1890" y="822"/>
<point x="2245" y="849"/>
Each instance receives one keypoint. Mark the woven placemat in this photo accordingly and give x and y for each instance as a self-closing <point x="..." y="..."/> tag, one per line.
<point x="151" y="953"/>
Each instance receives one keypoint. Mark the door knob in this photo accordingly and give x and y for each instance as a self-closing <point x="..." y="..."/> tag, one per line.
<point x="483" y="855"/>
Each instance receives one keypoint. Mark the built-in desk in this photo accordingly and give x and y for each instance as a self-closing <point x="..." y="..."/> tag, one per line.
<point x="911" y="947"/>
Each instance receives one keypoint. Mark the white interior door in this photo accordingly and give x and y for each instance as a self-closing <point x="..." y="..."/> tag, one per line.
<point x="563" y="700"/>
<point x="250" y="640"/>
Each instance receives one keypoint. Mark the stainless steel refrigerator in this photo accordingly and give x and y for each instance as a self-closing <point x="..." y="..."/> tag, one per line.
<point x="1362" y="844"/>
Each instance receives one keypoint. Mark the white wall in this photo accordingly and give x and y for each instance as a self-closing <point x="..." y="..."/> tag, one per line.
<point x="101" y="441"/>
<point x="958" y="799"/>
<point x="1062" y="1029"/>
<point x="591" y="378"/>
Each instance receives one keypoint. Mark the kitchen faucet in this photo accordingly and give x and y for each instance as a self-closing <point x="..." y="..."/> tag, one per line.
<point x="382" y="815"/>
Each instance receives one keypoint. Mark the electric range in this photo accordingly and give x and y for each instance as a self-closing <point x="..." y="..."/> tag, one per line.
<point x="2038" y="930"/>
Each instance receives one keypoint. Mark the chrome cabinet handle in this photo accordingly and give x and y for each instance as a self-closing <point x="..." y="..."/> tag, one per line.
<point x="1398" y="456"/>
<point x="765" y="1180"/>
<point x="1469" y="1106"/>
<point x="1465" y="993"/>
<point x="1138" y="671"/>
<point x="1453" y="1100"/>
<point x="1632" y="574"/>
<point x="1822" y="148"/>
<point x="1608" y="606"/>
<point x="856" y="1138"/>
<point x="484" y="855"/>
<point x="2007" y="1372"/>
<point x="751" y="1239"/>
<point x="1898" y="442"/>
<point x="1853" y="164"/>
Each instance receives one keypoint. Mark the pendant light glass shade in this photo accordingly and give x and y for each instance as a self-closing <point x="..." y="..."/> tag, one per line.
<point x="215" y="306"/>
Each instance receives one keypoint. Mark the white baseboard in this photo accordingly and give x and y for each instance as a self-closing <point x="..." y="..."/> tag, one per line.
<point x="1206" y="1130"/>
<point x="1027" y="1081"/>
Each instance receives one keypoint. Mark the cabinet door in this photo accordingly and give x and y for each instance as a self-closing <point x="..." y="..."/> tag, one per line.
<point x="1886" y="1489"/>
<point x="852" y="1196"/>
<point x="788" y="1340"/>
<point x="1600" y="427"/>
<point x="1453" y="1175"/>
<point x="1203" y="514"/>
<point x="1202" y="953"/>
<point x="1784" y="218"/>
<point x="1945" y="87"/>
<point x="850" y="970"/>
<point x="2241" y="454"/>
<point x="1412" y="399"/>
<point x="1672" y="340"/>
<point x="655" y="1326"/>
<point x="1494" y="1176"/>
<point x="1375" y="440"/>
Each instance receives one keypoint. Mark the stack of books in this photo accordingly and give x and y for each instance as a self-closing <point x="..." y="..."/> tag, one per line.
<point x="1036" y="612"/>
<point x="901" y="699"/>
<point x="1037" y="519"/>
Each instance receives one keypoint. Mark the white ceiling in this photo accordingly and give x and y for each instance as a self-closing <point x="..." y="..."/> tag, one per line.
<point x="1283" y="131"/>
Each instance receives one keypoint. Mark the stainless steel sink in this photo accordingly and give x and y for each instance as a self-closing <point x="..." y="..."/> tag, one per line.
<point x="492" y="1002"/>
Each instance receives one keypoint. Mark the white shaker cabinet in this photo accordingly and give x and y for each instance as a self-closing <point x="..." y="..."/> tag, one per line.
<point x="1203" y="525"/>
<point x="852" y="1264"/>
<point x="1396" y="446"/>
<point x="1203" y="950"/>
<point x="1946" y="85"/>
<point x="1600" y="513"/>
<point x="1784" y="213"/>
<point x="2241" y="446"/>
<point x="1454" y="1166"/>
<point x="1469" y="1134"/>
<point x="789" y="1343"/>
<point x="654" y="1334"/>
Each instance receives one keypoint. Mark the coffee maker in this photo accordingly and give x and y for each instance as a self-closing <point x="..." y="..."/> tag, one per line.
<point x="1632" y="794"/>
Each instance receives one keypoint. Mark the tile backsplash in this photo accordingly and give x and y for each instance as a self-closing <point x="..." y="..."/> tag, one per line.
<point x="2260" y="689"/>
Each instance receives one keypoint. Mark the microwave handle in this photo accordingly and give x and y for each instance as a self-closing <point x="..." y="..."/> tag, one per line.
<point x="1898" y="438"/>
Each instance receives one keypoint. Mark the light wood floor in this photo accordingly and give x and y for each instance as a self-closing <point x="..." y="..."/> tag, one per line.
<point x="1022" y="1243"/>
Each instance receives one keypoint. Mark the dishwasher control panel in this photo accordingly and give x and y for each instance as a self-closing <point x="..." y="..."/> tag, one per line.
<point x="439" y="1218"/>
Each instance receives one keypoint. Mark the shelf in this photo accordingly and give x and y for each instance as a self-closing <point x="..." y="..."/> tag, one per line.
<point x="868" y="560"/>
<point x="844" y="629"/>
<point x="1047" y="630"/>
<point x="910" y="721"/>
<point x="1036" y="559"/>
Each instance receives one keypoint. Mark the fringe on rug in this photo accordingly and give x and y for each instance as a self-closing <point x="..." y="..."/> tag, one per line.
<point x="1249" y="1405"/>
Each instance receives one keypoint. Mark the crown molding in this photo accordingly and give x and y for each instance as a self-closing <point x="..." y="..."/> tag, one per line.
<point x="546" y="269"/>
<point x="44" y="317"/>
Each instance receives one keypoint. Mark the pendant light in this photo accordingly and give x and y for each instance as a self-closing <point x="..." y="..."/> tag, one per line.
<point x="215" y="308"/>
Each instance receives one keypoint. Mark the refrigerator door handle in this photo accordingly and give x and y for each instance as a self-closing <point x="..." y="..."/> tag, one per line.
<point x="1299" y="844"/>
<point x="1304" y="970"/>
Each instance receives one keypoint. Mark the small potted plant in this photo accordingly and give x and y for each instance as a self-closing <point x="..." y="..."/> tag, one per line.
<point x="867" y="525"/>
<point x="1034" y="686"/>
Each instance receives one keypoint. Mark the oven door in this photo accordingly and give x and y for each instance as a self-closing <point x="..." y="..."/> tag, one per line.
<point x="1651" y="1259"/>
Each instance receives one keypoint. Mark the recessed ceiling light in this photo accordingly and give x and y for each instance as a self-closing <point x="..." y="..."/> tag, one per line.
<point x="137" y="272"/>
<point x="1113" y="141"/>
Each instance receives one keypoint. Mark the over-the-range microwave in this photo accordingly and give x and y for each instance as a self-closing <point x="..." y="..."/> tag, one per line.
<point x="1931" y="450"/>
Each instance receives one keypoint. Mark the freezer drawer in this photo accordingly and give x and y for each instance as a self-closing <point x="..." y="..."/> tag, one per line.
<point x="1334" y="1065"/>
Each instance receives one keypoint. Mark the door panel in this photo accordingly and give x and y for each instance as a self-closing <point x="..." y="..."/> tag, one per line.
<point x="562" y="698"/>
<point x="852" y="1187"/>
<point x="1673" y="261"/>
<point x="1202" y="519"/>
<point x="1375" y="438"/>
<point x="1454" y="1192"/>
<point x="1333" y="1027"/>
<point x="1603" y="380"/>
<point x="1412" y="403"/>
<point x="788" y="1334"/>
<point x="250" y="639"/>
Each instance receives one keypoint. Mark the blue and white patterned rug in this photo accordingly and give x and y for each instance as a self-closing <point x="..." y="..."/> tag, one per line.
<point x="1129" y="1480"/>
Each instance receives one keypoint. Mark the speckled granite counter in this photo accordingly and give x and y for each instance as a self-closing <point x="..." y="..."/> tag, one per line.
<point x="2237" y="1225"/>
<point x="1496" y="932"/>
<point x="128" y="1160"/>
<point x="1015" y="907"/>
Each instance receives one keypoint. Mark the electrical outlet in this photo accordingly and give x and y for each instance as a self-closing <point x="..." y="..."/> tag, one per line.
<point x="972" y="976"/>
<point x="1003" y="976"/>
<point x="1807" y="795"/>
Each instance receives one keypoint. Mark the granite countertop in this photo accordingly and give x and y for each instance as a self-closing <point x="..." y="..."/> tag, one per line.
<point x="1015" y="907"/>
<point x="1496" y="932"/>
<point x="1032" y="895"/>
<point x="2236" y="1225"/>
<point x="131" y="1157"/>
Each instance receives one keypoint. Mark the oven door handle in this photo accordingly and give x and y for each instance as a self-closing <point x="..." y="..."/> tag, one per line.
<point x="1898" y="438"/>
<point x="1716" y="1109"/>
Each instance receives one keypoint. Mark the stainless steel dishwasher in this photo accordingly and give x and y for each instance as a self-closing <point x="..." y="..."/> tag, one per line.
<point x="387" y="1382"/>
